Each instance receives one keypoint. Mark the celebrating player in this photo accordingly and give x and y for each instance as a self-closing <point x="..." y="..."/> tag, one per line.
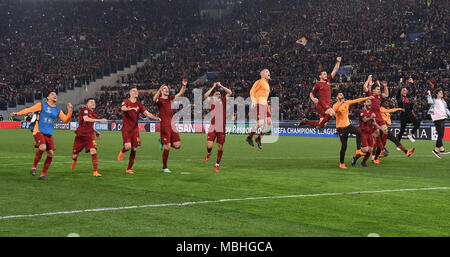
<point x="85" y="138"/>
<point x="344" y="127"/>
<point x="43" y="129"/>
<point x="169" y="136"/>
<point x="367" y="125"/>
<point x="386" y="114"/>
<point x="218" y="121"/>
<point x="131" y="109"/>
<point x="323" y="88"/>
<point x="260" y="107"/>
<point x="376" y="104"/>
<point x="408" y="116"/>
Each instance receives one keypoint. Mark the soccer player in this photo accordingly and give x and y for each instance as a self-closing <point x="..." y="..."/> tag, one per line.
<point x="386" y="114"/>
<point x="376" y="104"/>
<point x="259" y="94"/>
<point x="131" y="109"/>
<point x="323" y="88"/>
<point x="169" y="136"/>
<point x="218" y="121"/>
<point x="367" y="125"/>
<point x="85" y="135"/>
<point x="408" y="116"/>
<point x="344" y="127"/>
<point x="48" y="112"/>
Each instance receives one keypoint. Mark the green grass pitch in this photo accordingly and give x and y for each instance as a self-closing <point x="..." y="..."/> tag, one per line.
<point x="292" y="166"/>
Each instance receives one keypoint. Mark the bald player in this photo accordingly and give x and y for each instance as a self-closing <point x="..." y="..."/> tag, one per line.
<point x="323" y="89"/>
<point x="260" y="106"/>
<point x="344" y="127"/>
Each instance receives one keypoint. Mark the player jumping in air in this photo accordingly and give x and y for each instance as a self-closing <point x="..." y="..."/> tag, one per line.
<point x="85" y="135"/>
<point x="131" y="109"/>
<point x="169" y="136"/>
<point x="260" y="107"/>
<point x="43" y="129"/>
<point x="218" y="121"/>
<point x="323" y="88"/>
<point x="344" y="127"/>
<point x="367" y="125"/>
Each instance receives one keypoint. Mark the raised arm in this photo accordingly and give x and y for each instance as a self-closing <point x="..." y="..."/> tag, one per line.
<point x="368" y="84"/>
<point x="157" y="94"/>
<point x="183" y="88"/>
<point x="430" y="98"/>
<point x="336" y="67"/>
<point x="35" y="108"/>
<point x="386" y="89"/>
<point x="66" y="118"/>
<point x="228" y="91"/>
<point x="208" y="93"/>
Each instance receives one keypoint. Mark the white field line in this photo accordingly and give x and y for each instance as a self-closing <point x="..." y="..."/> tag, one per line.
<point x="221" y="201"/>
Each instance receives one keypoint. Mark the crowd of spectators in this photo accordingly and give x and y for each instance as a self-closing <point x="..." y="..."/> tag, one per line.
<point x="59" y="45"/>
<point x="389" y="39"/>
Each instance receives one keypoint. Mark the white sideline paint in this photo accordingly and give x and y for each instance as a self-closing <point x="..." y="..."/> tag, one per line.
<point x="221" y="201"/>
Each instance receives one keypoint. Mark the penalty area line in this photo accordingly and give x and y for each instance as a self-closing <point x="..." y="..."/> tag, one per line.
<point x="221" y="201"/>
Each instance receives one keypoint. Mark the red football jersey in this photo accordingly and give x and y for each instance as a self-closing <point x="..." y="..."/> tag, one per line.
<point x="324" y="91"/>
<point x="366" y="126"/>
<point x="86" y="128"/>
<point x="376" y="102"/>
<point x="165" y="110"/>
<point x="220" y="114"/>
<point x="130" y="118"/>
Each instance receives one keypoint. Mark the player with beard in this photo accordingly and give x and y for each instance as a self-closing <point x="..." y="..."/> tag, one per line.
<point x="323" y="89"/>
<point x="169" y="136"/>
<point x="367" y="125"/>
<point x="344" y="128"/>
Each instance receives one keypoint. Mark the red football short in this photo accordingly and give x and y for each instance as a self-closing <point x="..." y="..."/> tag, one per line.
<point x="168" y="135"/>
<point x="220" y="136"/>
<point x="41" y="139"/>
<point x="131" y="136"/>
<point x="366" y="140"/>
<point x="86" y="142"/>
<point x="321" y="109"/>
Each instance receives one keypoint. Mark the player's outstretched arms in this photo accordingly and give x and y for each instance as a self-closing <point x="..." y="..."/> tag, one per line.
<point x="184" y="83"/>
<point x="151" y="116"/>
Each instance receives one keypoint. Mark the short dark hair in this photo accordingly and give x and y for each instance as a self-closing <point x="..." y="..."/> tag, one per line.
<point x="89" y="99"/>
<point x="436" y="91"/>
<point x="47" y="93"/>
<point x="132" y="87"/>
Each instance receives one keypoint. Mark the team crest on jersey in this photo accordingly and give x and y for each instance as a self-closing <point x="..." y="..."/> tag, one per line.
<point x="86" y="111"/>
<point x="48" y="110"/>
